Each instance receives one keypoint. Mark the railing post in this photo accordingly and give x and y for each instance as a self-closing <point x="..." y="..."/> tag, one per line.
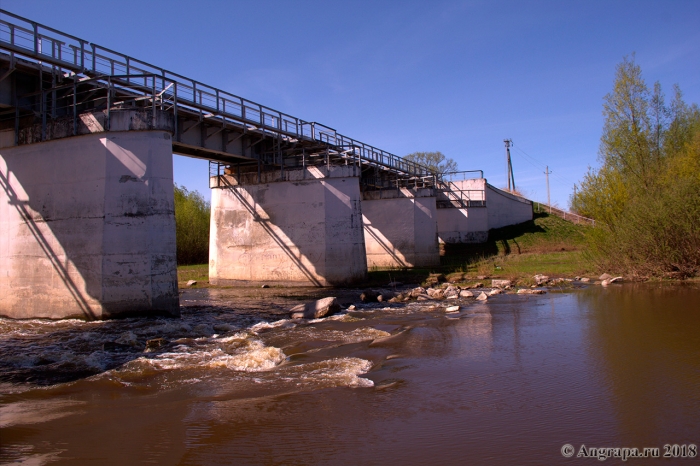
<point x="43" y="116"/>
<point x="109" y="102"/>
<point x="36" y="37"/>
<point x="94" y="58"/>
<point x="82" y="55"/>
<point x="153" y="102"/>
<point x="75" y="108"/>
<point x="177" y="136"/>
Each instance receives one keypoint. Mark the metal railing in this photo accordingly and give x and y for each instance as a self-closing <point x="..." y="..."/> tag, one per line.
<point x="64" y="52"/>
<point x="570" y="216"/>
<point x="460" y="198"/>
<point x="462" y="175"/>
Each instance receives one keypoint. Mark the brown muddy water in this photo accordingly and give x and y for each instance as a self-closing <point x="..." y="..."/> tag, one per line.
<point x="509" y="381"/>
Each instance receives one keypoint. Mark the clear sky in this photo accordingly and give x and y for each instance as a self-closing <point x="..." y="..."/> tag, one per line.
<point x="450" y="76"/>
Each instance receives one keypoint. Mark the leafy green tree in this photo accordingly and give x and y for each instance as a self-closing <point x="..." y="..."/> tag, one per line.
<point x="645" y="196"/>
<point x="192" y="214"/>
<point x="435" y="161"/>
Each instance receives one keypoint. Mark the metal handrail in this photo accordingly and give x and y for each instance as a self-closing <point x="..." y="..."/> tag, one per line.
<point x="451" y="175"/>
<point x="79" y="56"/>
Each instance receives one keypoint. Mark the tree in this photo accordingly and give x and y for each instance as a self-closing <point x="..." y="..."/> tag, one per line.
<point x="436" y="162"/>
<point x="645" y="196"/>
<point x="192" y="214"/>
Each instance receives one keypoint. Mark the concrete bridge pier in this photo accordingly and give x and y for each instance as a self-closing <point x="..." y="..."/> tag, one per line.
<point x="297" y="227"/>
<point x="400" y="228"/>
<point x="87" y="227"/>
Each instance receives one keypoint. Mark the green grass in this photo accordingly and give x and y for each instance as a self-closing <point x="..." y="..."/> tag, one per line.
<point x="199" y="272"/>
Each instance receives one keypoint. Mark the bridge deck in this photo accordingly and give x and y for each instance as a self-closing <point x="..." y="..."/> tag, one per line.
<point x="77" y="76"/>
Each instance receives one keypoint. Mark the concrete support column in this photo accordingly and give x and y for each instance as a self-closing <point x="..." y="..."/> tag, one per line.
<point x="300" y="227"/>
<point x="400" y="228"/>
<point x="87" y="227"/>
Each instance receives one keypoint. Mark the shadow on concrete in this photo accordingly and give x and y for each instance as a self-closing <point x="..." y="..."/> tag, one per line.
<point x="386" y="246"/>
<point x="499" y="242"/>
<point x="44" y="244"/>
<point x="266" y="225"/>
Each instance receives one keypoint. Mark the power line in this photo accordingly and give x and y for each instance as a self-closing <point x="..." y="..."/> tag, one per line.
<point x="543" y="165"/>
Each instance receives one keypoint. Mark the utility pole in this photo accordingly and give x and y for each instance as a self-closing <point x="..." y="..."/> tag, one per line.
<point x="509" y="165"/>
<point x="549" y="202"/>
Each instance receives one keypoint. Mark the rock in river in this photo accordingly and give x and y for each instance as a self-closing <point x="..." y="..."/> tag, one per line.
<point x="501" y="283"/>
<point x="316" y="310"/>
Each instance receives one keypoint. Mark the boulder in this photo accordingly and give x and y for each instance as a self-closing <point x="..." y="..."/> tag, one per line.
<point x="495" y="291"/>
<point x="541" y="279"/>
<point x="369" y="296"/>
<point x="435" y="293"/>
<point x="482" y="277"/>
<point x="265" y="286"/>
<point x="605" y="276"/>
<point x="415" y="292"/>
<point x="316" y="309"/>
<point x="466" y="294"/>
<point x="385" y="295"/>
<point x="482" y="297"/>
<point x="451" y="291"/>
<point x="501" y="283"/>
<point x="352" y="307"/>
<point x="608" y="281"/>
<point x="127" y="338"/>
<point x="191" y="283"/>
<point x="155" y="343"/>
<point x="585" y="280"/>
<point x="526" y="291"/>
<point x="451" y="309"/>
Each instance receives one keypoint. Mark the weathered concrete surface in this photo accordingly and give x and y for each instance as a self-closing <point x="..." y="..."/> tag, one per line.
<point x="506" y="209"/>
<point x="465" y="225"/>
<point x="303" y="227"/>
<point x="87" y="227"/>
<point x="400" y="228"/>
<point x="472" y="224"/>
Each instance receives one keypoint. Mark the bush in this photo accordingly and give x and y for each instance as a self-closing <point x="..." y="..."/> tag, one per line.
<point x="646" y="195"/>
<point x="192" y="215"/>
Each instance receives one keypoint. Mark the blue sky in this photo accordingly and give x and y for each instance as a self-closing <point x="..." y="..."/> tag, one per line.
<point x="452" y="76"/>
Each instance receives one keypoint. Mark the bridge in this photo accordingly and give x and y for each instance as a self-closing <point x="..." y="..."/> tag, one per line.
<point x="86" y="142"/>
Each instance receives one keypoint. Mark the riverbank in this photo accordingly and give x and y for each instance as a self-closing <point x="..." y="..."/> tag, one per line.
<point x="547" y="245"/>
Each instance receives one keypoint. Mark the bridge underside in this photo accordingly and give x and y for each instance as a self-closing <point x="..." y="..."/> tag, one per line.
<point x="86" y="137"/>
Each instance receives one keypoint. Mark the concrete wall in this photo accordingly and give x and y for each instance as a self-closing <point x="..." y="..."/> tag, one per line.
<point x="400" y="228"/>
<point x="465" y="225"/>
<point x="303" y="227"/>
<point x="471" y="225"/>
<point x="87" y="227"/>
<point x="506" y="209"/>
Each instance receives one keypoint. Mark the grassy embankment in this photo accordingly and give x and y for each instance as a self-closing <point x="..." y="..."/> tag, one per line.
<point x="547" y="245"/>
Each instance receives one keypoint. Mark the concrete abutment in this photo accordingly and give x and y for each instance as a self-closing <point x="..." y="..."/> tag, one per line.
<point x="297" y="227"/>
<point x="87" y="227"/>
<point x="400" y="228"/>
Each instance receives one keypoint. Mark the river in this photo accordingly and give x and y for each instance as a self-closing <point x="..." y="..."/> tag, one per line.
<point x="508" y="381"/>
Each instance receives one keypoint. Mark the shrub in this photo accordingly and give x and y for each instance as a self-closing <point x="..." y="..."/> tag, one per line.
<point x="192" y="214"/>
